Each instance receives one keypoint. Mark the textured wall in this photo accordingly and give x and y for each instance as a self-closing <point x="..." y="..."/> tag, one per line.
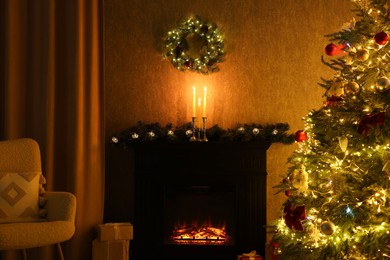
<point x="270" y="74"/>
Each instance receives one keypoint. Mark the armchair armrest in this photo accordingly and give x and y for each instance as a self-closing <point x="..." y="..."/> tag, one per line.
<point x="61" y="206"/>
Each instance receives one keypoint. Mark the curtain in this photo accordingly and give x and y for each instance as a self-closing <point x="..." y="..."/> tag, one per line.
<point x="52" y="91"/>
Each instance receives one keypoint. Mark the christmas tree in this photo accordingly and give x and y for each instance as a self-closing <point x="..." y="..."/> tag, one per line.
<point x="337" y="186"/>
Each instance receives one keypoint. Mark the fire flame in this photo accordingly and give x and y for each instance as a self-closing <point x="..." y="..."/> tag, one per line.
<point x="202" y="235"/>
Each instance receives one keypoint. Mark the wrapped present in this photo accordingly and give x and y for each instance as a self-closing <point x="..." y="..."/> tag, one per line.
<point x="110" y="250"/>
<point x="115" y="231"/>
<point x="250" y="256"/>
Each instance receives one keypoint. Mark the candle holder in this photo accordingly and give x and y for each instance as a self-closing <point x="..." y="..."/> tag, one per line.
<point x="193" y="137"/>
<point x="204" y="120"/>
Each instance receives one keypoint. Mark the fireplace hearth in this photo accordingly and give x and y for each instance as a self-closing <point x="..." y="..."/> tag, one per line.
<point x="198" y="200"/>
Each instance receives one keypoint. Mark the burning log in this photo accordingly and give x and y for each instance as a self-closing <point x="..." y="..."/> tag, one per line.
<point x="201" y="235"/>
<point x="184" y="230"/>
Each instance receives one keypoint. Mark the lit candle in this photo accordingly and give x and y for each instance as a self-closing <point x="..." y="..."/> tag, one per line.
<point x="193" y="102"/>
<point x="204" y="101"/>
<point x="199" y="112"/>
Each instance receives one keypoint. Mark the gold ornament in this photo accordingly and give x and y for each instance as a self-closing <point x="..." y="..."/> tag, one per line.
<point x="382" y="84"/>
<point x="362" y="55"/>
<point x="351" y="87"/>
<point x="327" y="228"/>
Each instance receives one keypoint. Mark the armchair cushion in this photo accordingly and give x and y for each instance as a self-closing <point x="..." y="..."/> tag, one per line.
<point x="19" y="193"/>
<point x="58" y="227"/>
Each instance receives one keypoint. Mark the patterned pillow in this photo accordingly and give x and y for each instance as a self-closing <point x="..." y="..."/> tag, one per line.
<point x="19" y="193"/>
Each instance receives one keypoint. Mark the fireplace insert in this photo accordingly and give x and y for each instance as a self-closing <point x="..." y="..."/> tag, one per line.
<point x="198" y="200"/>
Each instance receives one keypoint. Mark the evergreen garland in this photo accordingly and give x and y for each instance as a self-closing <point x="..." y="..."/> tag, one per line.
<point x="273" y="133"/>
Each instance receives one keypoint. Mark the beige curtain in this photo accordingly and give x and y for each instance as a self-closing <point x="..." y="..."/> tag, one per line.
<point x="52" y="90"/>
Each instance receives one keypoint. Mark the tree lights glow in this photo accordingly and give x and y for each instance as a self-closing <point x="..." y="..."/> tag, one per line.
<point x="340" y="175"/>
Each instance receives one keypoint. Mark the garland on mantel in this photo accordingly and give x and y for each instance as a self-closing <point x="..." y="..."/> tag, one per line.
<point x="272" y="133"/>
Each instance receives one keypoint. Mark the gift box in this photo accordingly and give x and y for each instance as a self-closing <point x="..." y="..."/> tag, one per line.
<point x="110" y="250"/>
<point x="250" y="256"/>
<point x="247" y="257"/>
<point x="115" y="231"/>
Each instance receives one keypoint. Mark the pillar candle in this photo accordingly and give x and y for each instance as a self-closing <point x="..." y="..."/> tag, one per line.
<point x="199" y="113"/>
<point x="193" y="102"/>
<point x="204" y="101"/>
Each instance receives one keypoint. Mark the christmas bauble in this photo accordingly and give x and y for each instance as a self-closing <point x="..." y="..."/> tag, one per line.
<point x="351" y="87"/>
<point x="331" y="49"/>
<point x="327" y="228"/>
<point x="300" y="136"/>
<point x="382" y="83"/>
<point x="189" y="132"/>
<point x="288" y="193"/>
<point x="255" y="131"/>
<point x="381" y="38"/>
<point x="362" y="55"/>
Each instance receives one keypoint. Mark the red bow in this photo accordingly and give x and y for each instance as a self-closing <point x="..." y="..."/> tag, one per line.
<point x="333" y="101"/>
<point x="293" y="217"/>
<point x="370" y="121"/>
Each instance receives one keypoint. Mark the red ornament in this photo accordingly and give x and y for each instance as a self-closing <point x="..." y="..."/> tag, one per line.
<point x="288" y="193"/>
<point x="332" y="49"/>
<point x="333" y="101"/>
<point x="381" y="38"/>
<point x="300" y="136"/>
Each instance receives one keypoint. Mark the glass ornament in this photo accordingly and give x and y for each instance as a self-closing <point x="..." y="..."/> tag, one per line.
<point x="189" y="132"/>
<point x="327" y="228"/>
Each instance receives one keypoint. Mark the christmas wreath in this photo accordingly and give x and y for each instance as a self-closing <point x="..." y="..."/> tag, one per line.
<point x="195" y="45"/>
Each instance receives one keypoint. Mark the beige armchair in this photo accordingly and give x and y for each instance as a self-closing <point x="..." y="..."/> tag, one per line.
<point x="23" y="155"/>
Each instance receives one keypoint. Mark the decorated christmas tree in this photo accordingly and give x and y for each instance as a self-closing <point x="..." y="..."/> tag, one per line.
<point x="338" y="184"/>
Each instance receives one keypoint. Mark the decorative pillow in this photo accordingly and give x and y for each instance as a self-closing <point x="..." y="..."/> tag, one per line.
<point x="19" y="193"/>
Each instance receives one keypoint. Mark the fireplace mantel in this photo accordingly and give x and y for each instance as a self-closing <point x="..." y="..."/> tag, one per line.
<point x="160" y="167"/>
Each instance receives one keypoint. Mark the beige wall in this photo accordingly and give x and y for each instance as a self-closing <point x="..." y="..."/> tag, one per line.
<point x="270" y="74"/>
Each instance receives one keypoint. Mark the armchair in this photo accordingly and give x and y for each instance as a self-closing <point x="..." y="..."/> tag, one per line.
<point x="23" y="155"/>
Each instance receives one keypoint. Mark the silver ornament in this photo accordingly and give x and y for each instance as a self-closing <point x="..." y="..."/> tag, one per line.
<point x="255" y="131"/>
<point x="134" y="135"/>
<point x="275" y="132"/>
<point x="170" y="133"/>
<point x="382" y="83"/>
<point x="189" y="132"/>
<point x="151" y="134"/>
<point x="114" y="140"/>
<point x="241" y="129"/>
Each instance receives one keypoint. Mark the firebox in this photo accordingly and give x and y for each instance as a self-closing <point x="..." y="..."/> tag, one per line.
<point x="197" y="200"/>
<point x="200" y="214"/>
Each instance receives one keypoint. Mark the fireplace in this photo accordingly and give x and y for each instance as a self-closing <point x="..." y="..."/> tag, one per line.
<point x="195" y="200"/>
<point x="200" y="214"/>
<point x="201" y="188"/>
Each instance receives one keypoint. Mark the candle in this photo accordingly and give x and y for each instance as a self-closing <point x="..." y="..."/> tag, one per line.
<point x="199" y="112"/>
<point x="204" y="101"/>
<point x="193" y="102"/>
